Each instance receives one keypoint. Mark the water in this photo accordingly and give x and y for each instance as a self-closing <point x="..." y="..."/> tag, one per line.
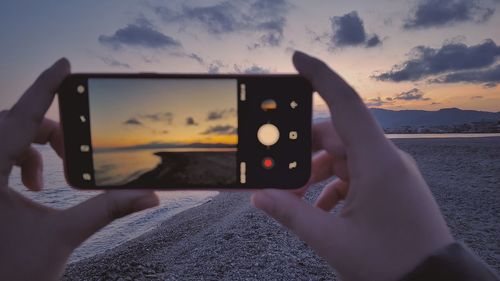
<point x="119" y="167"/>
<point x="58" y="194"/>
<point x="115" y="167"/>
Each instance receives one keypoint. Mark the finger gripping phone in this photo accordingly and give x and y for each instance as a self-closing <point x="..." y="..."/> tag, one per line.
<point x="179" y="132"/>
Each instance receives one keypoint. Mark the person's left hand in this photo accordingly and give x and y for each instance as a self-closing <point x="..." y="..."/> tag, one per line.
<point x="35" y="240"/>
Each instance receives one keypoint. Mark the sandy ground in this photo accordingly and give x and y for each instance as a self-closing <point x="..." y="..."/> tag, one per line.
<point x="227" y="239"/>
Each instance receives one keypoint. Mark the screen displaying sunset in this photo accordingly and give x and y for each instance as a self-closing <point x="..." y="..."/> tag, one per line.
<point x="153" y="131"/>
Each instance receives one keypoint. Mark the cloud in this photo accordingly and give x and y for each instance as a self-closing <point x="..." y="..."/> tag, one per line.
<point x="215" y="66"/>
<point x="373" y="41"/>
<point x="476" y="97"/>
<point x="221" y="114"/>
<point x="114" y="63"/>
<point x="413" y="94"/>
<point x="160" y="132"/>
<point x="139" y="34"/>
<point x="133" y="122"/>
<point x="218" y="66"/>
<point x="451" y="57"/>
<point x="196" y="58"/>
<point x="220" y="130"/>
<point x="166" y="117"/>
<point x="254" y="69"/>
<point x="190" y="122"/>
<point x="348" y="30"/>
<point x="266" y="18"/>
<point x="490" y="77"/>
<point x="150" y="122"/>
<point x="378" y="101"/>
<point x="437" y="13"/>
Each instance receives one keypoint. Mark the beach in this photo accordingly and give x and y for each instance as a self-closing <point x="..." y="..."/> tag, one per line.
<point x="228" y="239"/>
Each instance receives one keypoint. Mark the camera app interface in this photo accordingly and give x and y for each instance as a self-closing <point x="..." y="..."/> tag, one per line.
<point x="154" y="132"/>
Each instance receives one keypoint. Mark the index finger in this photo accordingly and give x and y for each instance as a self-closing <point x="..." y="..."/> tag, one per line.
<point x="50" y="132"/>
<point x="25" y="116"/>
<point x="351" y="118"/>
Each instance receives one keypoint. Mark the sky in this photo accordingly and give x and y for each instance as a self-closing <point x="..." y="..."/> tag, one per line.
<point x="404" y="54"/>
<point x="197" y="110"/>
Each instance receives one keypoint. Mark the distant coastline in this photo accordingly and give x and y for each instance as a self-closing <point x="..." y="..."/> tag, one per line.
<point x="172" y="147"/>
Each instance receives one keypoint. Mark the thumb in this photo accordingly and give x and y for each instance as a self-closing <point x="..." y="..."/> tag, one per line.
<point x="78" y="223"/>
<point x="307" y="222"/>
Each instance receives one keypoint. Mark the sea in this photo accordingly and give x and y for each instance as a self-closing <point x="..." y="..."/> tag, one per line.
<point x="58" y="194"/>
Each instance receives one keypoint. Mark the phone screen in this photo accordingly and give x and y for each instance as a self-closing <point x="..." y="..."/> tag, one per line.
<point x="154" y="132"/>
<point x="186" y="131"/>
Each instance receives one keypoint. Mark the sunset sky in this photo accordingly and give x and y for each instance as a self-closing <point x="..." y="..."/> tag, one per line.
<point x="407" y="54"/>
<point x="126" y="113"/>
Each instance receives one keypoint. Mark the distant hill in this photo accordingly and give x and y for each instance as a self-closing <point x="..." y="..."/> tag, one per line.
<point x="446" y="116"/>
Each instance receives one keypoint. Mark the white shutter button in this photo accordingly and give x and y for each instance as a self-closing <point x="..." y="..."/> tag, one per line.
<point x="268" y="134"/>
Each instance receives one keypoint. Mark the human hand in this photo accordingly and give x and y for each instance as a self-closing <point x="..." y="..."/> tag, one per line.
<point x="390" y="221"/>
<point x="35" y="240"/>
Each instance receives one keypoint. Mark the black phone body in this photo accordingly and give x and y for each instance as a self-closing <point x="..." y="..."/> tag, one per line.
<point x="186" y="131"/>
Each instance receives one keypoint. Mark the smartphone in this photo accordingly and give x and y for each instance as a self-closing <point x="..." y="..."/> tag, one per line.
<point x="177" y="131"/>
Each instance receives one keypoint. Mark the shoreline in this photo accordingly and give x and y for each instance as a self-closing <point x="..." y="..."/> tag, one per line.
<point x="226" y="238"/>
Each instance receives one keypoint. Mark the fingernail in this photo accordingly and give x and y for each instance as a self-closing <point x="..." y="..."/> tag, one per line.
<point x="62" y="63"/>
<point x="146" y="202"/>
<point x="300" y="55"/>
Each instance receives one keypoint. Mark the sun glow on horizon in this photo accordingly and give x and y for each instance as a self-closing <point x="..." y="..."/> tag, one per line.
<point x="126" y="113"/>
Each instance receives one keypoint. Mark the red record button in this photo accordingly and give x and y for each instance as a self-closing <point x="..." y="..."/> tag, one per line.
<point x="268" y="163"/>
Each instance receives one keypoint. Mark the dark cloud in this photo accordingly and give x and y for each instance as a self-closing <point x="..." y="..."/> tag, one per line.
<point x="221" y="114"/>
<point x="373" y="41"/>
<point x="151" y="122"/>
<point x="378" y="101"/>
<point x="215" y="66"/>
<point x="349" y="30"/>
<point x="218" y="66"/>
<point x="490" y="85"/>
<point x="266" y="18"/>
<point x="139" y="34"/>
<point x="190" y="122"/>
<point x="451" y="57"/>
<point x="413" y="94"/>
<point x="133" y="122"/>
<point x="166" y="117"/>
<point x="490" y="77"/>
<point x="254" y="69"/>
<point x="476" y="97"/>
<point x="196" y="58"/>
<point x="220" y="130"/>
<point x="436" y="13"/>
<point x="114" y="63"/>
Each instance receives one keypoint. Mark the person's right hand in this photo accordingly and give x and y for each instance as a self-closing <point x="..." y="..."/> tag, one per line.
<point x="390" y="221"/>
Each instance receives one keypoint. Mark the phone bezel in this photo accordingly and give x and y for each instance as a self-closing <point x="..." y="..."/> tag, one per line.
<point x="72" y="104"/>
